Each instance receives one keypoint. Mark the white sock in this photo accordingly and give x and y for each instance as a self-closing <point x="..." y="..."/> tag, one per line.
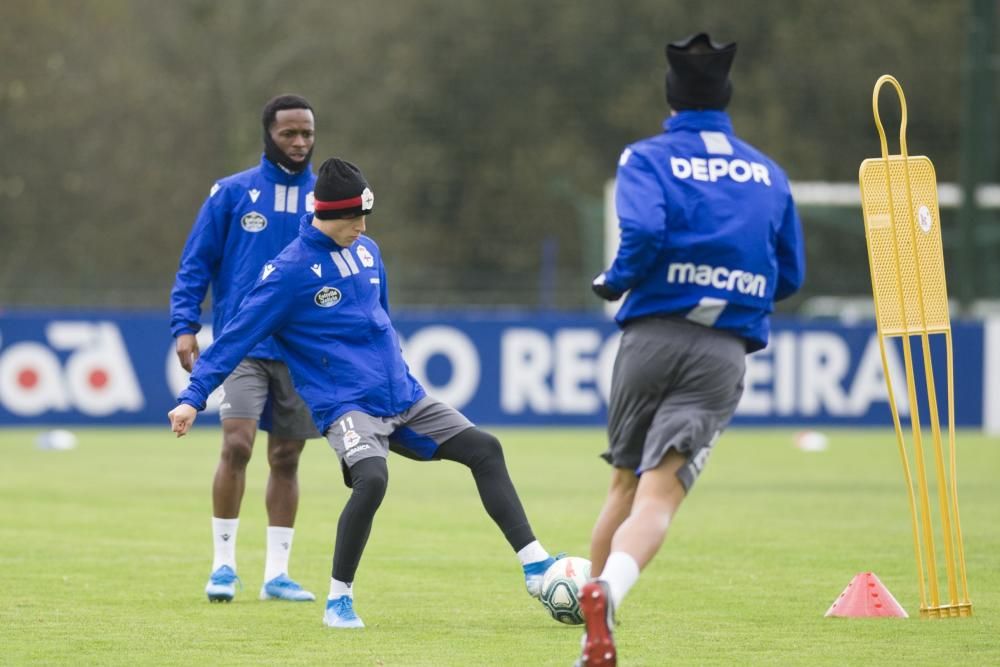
<point x="224" y="542"/>
<point x="532" y="553"/>
<point x="620" y="572"/>
<point x="279" y="548"/>
<point x="340" y="589"/>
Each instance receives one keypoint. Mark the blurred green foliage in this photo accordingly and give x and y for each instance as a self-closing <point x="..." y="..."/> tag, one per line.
<point x="488" y="130"/>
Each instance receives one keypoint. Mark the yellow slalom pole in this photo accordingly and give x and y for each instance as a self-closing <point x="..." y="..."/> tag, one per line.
<point x="902" y="231"/>
<point x="924" y="522"/>
<point x="964" y="604"/>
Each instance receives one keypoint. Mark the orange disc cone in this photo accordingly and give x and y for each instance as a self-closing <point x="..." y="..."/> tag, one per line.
<point x="866" y="596"/>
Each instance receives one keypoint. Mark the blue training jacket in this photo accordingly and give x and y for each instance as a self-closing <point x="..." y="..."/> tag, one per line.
<point x="709" y="230"/>
<point x="327" y="310"/>
<point x="247" y="219"/>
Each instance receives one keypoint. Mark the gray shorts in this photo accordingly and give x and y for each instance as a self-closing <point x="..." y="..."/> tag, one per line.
<point x="675" y="385"/>
<point x="262" y="389"/>
<point x="416" y="433"/>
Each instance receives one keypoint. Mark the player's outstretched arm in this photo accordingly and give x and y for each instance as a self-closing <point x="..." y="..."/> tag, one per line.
<point x="181" y="418"/>
<point x="262" y="313"/>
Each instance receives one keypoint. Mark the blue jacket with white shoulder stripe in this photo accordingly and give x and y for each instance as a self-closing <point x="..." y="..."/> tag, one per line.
<point x="247" y="219"/>
<point x="327" y="309"/>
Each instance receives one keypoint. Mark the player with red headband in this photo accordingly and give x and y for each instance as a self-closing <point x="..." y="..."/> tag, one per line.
<point x="324" y="300"/>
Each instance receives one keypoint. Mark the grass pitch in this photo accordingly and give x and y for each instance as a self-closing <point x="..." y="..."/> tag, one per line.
<point x="105" y="550"/>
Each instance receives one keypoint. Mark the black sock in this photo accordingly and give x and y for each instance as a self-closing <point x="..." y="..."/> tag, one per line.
<point x="369" y="478"/>
<point x="481" y="452"/>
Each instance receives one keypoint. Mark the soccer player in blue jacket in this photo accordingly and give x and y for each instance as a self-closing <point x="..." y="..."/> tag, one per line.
<point x="246" y="220"/>
<point x="324" y="301"/>
<point x="710" y="239"/>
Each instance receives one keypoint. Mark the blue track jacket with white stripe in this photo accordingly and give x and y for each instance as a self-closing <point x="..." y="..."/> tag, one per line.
<point x="247" y="219"/>
<point x="326" y="308"/>
<point x="708" y="227"/>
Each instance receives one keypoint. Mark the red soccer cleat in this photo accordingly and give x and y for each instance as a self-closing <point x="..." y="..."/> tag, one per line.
<point x="598" y="645"/>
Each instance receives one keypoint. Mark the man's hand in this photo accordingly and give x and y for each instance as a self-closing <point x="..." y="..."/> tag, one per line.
<point x="187" y="351"/>
<point x="181" y="418"/>
<point x="603" y="290"/>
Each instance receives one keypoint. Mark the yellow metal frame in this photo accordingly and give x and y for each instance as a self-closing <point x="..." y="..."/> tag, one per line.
<point x="903" y="234"/>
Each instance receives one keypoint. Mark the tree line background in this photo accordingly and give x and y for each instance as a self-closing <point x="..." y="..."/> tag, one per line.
<point x="488" y="130"/>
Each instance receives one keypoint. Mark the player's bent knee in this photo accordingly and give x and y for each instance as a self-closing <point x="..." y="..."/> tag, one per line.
<point x="624" y="493"/>
<point x="473" y="448"/>
<point x="488" y="447"/>
<point x="370" y="479"/>
<point x="283" y="457"/>
<point x="236" y="450"/>
<point x="237" y="441"/>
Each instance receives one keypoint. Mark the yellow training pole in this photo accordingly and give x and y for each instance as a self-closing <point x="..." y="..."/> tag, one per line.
<point x="902" y="230"/>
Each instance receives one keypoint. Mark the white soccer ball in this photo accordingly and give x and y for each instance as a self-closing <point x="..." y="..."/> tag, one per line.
<point x="561" y="589"/>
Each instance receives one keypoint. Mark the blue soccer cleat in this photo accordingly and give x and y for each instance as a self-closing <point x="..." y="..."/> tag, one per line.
<point x="221" y="586"/>
<point x="340" y="613"/>
<point x="535" y="572"/>
<point x="283" y="588"/>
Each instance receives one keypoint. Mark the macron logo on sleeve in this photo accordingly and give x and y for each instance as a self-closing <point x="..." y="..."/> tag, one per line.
<point x="268" y="270"/>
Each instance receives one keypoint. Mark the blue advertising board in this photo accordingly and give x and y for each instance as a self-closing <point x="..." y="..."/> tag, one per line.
<point x="500" y="368"/>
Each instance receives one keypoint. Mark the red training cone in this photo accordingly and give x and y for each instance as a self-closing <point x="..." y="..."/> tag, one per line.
<point x="866" y="596"/>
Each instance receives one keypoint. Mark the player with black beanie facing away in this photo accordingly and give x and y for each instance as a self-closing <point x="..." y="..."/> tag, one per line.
<point x="324" y="300"/>
<point x="710" y="239"/>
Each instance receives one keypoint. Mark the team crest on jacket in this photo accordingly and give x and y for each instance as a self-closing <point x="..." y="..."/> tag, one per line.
<point x="253" y="222"/>
<point x="327" y="297"/>
<point x="366" y="257"/>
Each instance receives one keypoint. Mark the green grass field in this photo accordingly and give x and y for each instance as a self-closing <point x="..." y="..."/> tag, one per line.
<point x="105" y="549"/>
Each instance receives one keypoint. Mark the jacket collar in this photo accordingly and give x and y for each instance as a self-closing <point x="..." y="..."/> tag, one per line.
<point x="696" y="121"/>
<point x="313" y="237"/>
<point x="276" y="174"/>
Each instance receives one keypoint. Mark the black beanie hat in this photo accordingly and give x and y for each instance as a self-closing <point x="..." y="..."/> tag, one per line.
<point x="698" y="77"/>
<point x="341" y="191"/>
